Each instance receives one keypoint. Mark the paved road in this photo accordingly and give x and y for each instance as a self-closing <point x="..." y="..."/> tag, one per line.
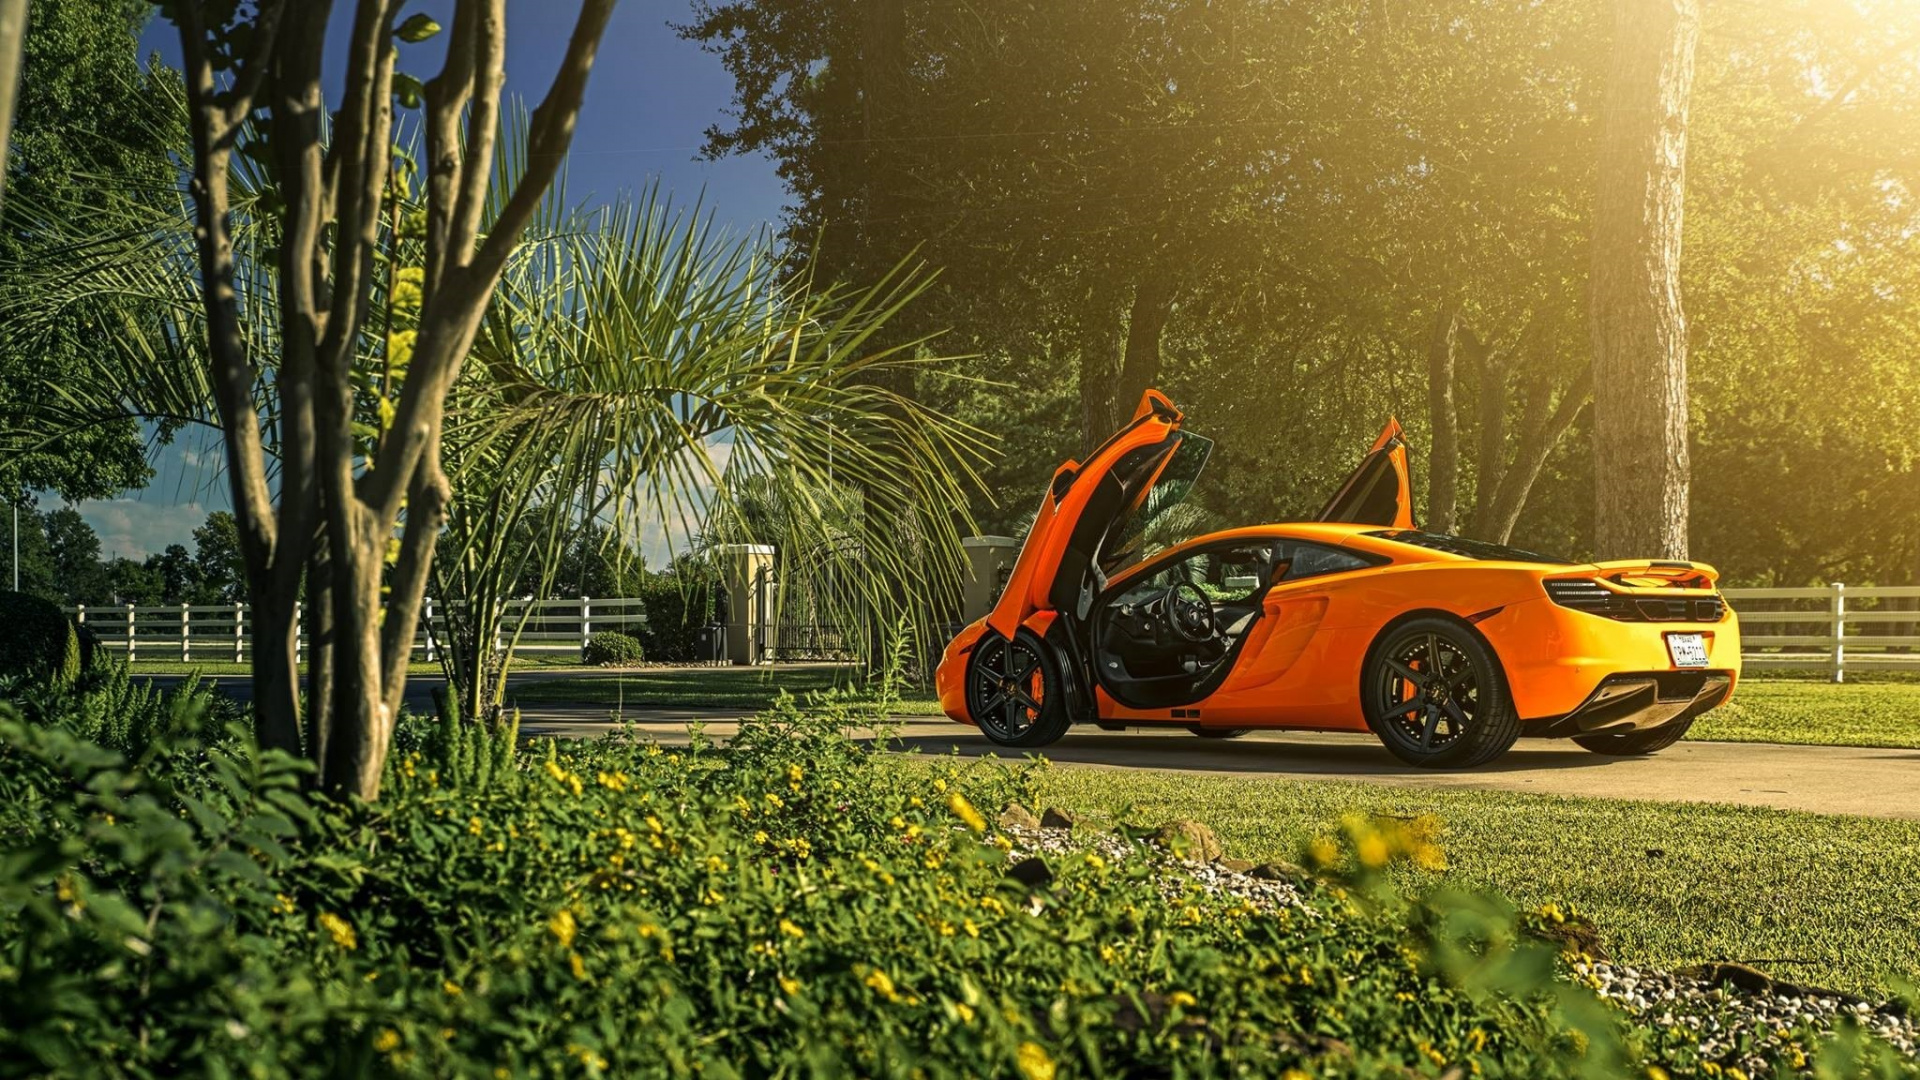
<point x="1823" y="779"/>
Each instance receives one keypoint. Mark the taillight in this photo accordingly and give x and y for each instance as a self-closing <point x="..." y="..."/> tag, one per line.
<point x="1590" y="596"/>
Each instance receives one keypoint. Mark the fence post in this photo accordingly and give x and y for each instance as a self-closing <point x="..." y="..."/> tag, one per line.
<point x="186" y="635"/>
<point x="129" y="633"/>
<point x="239" y="633"/>
<point x="586" y="624"/>
<point x="429" y="629"/>
<point x="1838" y="612"/>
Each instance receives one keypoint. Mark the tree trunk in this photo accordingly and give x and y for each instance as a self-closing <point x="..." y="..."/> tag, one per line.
<point x="1119" y="362"/>
<point x="1638" y="328"/>
<point x="1443" y="456"/>
<point x="1100" y="364"/>
<point x="13" y="37"/>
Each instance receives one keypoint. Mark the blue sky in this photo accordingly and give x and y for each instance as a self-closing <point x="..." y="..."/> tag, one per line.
<point x="647" y="108"/>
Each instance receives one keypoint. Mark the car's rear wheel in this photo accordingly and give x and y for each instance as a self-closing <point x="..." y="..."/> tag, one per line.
<point x="1219" y="732"/>
<point x="1436" y="697"/>
<point x="1629" y="743"/>
<point x="1015" y="691"/>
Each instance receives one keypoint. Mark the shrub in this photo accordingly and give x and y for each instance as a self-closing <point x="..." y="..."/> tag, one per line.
<point x="612" y="647"/>
<point x="676" y="606"/>
<point x="791" y="904"/>
<point x="37" y="640"/>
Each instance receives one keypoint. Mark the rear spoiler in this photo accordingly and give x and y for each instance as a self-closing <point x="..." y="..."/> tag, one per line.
<point x="1658" y="574"/>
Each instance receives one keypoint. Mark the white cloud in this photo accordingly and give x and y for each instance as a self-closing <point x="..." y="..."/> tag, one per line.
<point x="136" y="529"/>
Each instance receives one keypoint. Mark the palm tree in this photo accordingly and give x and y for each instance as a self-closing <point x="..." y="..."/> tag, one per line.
<point x="637" y="370"/>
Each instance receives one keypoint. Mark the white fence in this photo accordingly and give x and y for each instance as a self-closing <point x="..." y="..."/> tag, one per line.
<point x="1836" y="629"/>
<point x="205" y="632"/>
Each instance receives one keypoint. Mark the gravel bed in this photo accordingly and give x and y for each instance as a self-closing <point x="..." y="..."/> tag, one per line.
<point x="1750" y="1025"/>
<point x="1721" y="1013"/>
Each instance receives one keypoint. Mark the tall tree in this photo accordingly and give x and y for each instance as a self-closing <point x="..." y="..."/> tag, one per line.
<point x="353" y="524"/>
<point x="90" y="119"/>
<point x="1639" y="329"/>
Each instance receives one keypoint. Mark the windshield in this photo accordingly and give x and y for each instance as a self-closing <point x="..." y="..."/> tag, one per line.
<point x="1155" y="483"/>
<point x="1460" y="545"/>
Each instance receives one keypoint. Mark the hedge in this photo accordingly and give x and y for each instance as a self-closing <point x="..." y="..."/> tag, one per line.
<point x="37" y="640"/>
<point x="791" y="904"/>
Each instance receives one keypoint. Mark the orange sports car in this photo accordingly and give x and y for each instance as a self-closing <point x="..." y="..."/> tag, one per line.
<point x="1447" y="649"/>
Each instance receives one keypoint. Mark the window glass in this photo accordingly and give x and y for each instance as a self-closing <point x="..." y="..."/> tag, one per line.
<point x="1168" y="476"/>
<point x="1313" y="560"/>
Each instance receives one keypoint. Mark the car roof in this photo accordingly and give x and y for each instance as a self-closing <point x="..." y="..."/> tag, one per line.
<point x="1333" y="534"/>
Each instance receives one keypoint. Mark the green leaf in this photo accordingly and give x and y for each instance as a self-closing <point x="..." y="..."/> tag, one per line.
<point x="407" y="89"/>
<point x="418" y="27"/>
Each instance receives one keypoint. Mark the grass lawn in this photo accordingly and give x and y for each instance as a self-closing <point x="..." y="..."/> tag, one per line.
<point x="1821" y="900"/>
<point x="704" y="687"/>
<point x="1768" y="708"/>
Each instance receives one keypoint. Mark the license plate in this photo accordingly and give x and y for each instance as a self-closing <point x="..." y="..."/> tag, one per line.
<point x="1687" y="650"/>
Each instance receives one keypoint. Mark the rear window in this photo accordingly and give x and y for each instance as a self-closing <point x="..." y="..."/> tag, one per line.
<point x="1460" y="545"/>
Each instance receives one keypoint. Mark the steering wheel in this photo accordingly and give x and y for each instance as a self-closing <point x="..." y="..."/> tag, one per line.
<point x="1188" y="612"/>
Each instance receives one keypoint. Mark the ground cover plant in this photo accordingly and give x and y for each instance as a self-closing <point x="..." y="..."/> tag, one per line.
<point x="790" y="904"/>
<point x="711" y="687"/>
<point x="1825" y="900"/>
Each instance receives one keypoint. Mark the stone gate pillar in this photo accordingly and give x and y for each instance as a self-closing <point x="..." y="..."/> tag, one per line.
<point x="742" y="566"/>
<point x="989" y="560"/>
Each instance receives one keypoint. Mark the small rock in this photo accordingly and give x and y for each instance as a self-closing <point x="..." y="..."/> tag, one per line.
<point x="1278" y="871"/>
<point x="1237" y="866"/>
<point x="1032" y="871"/>
<point x="1016" y="816"/>
<point x="1188" y="839"/>
<point x="1056" y="818"/>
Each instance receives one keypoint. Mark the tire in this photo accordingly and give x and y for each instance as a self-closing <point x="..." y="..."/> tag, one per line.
<point x="1016" y="691"/>
<point x="1630" y="743"/>
<point x="1407" y="707"/>
<point x="1219" y="732"/>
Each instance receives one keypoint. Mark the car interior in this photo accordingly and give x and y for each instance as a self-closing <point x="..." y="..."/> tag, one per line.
<point x="1170" y="636"/>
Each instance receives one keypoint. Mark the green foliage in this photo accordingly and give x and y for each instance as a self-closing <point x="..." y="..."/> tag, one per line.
<point x="676" y="606"/>
<point x="789" y="904"/>
<point x="610" y="648"/>
<point x="38" y="642"/>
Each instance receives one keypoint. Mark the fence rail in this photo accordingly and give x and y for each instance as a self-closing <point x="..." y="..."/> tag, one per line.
<point x="1835" y="629"/>
<point x="191" y="632"/>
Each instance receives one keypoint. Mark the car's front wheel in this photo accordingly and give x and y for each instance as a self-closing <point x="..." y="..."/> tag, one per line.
<point x="1629" y="743"/>
<point x="1015" y="691"/>
<point x="1436" y="697"/>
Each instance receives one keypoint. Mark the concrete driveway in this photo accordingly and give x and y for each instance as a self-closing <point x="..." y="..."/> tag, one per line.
<point x="1821" y="779"/>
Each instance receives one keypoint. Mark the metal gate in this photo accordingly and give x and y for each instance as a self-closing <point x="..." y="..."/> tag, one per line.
<point x="798" y="619"/>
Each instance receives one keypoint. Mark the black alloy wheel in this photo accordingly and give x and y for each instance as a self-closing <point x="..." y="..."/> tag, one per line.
<point x="1014" y="691"/>
<point x="1434" y="694"/>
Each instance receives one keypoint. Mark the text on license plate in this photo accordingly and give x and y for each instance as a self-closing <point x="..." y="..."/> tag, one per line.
<point x="1687" y="650"/>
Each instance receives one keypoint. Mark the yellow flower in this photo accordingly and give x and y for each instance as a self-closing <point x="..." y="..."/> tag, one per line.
<point x="760" y="836"/>
<point x="1655" y="1072"/>
<point x="615" y="781"/>
<point x="1372" y="851"/>
<point x="964" y="810"/>
<point x="562" y="927"/>
<point x="452" y="988"/>
<point x="1296" y="1074"/>
<point x="1182" y="999"/>
<point x="881" y="984"/>
<point x="971" y="929"/>
<point x="1034" y="1062"/>
<point x="774" y="801"/>
<point x="578" y="965"/>
<point x="1323" y="852"/>
<point x="716" y="864"/>
<point x="789" y="985"/>
<point x="788" y="928"/>
<point x="794" y="773"/>
<point x="939" y="784"/>
<point x="647" y="929"/>
<point x="343" y="934"/>
<point x="387" y="1041"/>
<point x="965" y="1010"/>
<point x="475" y="826"/>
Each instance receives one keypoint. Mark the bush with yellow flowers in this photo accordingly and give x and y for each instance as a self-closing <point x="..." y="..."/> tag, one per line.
<point x="789" y="904"/>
